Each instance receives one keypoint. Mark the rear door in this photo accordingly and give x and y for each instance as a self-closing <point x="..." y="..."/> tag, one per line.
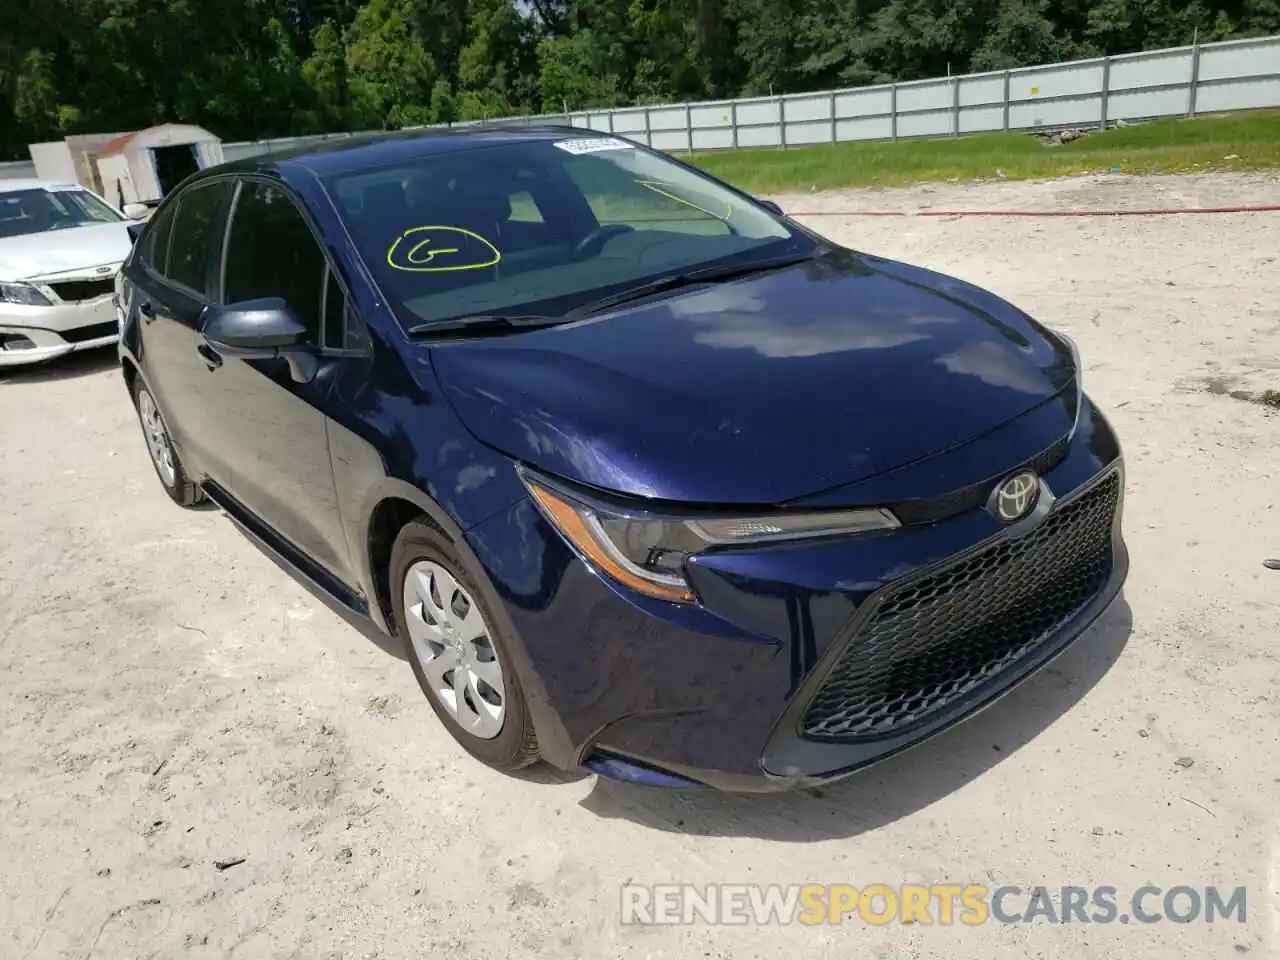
<point x="174" y="286"/>
<point x="271" y="431"/>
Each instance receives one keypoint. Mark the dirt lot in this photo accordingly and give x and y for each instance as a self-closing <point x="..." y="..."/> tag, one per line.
<point x="170" y="698"/>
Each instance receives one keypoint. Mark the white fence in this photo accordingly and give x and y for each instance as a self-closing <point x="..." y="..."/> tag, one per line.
<point x="17" y="169"/>
<point x="1181" y="81"/>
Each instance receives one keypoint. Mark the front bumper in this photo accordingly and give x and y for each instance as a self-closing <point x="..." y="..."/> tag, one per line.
<point x="34" y="334"/>
<point x="719" y="694"/>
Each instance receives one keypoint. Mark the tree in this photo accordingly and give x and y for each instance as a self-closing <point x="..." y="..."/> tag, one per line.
<point x="443" y="25"/>
<point x="35" y="102"/>
<point x="286" y="98"/>
<point x="767" y="31"/>
<point x="496" y="61"/>
<point x="390" y="72"/>
<point x="1021" y="34"/>
<point x="256" y="68"/>
<point x="444" y="105"/>
<point x="324" y="74"/>
<point x="1116" y="26"/>
<point x="576" y="73"/>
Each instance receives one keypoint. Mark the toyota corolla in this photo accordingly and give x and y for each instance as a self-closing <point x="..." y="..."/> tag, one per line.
<point x="648" y="478"/>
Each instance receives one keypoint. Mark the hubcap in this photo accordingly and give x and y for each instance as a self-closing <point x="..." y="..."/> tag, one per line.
<point x="157" y="437"/>
<point x="454" y="647"/>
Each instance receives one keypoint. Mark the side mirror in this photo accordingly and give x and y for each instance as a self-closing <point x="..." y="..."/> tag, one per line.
<point x="261" y="330"/>
<point x="771" y="207"/>
<point x="135" y="211"/>
<point x="135" y="231"/>
<point x="254" y="328"/>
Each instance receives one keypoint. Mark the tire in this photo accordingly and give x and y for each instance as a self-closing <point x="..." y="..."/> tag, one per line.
<point x="452" y="625"/>
<point x="164" y="458"/>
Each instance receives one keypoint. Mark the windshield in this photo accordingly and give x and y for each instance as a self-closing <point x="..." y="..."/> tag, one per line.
<point x="543" y="226"/>
<point x="38" y="210"/>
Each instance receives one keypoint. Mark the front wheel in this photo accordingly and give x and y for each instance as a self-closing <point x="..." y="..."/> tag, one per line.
<point x="461" y="661"/>
<point x="164" y="458"/>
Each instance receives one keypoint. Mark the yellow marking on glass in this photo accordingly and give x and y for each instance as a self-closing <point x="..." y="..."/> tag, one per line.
<point x="412" y="256"/>
<point x="415" y="264"/>
<point x="657" y="187"/>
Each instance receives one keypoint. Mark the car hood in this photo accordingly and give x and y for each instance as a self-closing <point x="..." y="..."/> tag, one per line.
<point x="53" y="252"/>
<point x="762" y="390"/>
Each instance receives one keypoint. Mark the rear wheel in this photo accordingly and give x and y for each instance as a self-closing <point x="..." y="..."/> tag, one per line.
<point x="163" y="457"/>
<point x="460" y="659"/>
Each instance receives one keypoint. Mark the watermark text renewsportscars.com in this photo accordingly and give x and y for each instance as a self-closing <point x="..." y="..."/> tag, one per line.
<point x="940" y="904"/>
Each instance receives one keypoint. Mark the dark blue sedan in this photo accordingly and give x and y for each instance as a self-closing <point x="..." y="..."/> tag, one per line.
<point x="648" y="478"/>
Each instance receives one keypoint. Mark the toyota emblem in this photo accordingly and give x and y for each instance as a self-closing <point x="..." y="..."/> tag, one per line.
<point x="1016" y="496"/>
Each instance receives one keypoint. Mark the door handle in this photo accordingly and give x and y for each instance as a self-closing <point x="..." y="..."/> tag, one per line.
<point x="212" y="358"/>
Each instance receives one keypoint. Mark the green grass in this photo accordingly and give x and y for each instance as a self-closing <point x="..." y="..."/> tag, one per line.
<point x="1250" y="140"/>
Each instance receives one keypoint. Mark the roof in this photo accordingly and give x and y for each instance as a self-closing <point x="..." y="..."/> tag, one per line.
<point x="378" y="149"/>
<point x="117" y="144"/>
<point x="159" y="135"/>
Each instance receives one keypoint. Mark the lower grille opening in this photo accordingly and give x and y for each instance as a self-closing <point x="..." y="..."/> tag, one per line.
<point x="936" y="639"/>
<point x="91" y="332"/>
<point x="15" y="341"/>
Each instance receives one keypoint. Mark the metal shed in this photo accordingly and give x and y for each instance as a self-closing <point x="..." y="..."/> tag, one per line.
<point x="145" y="165"/>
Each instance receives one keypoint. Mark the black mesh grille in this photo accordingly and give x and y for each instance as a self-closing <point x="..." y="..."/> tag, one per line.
<point x="934" y="640"/>
<point x="72" y="291"/>
<point x="975" y="495"/>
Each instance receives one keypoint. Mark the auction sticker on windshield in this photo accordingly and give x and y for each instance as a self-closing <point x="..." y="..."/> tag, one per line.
<point x="592" y="145"/>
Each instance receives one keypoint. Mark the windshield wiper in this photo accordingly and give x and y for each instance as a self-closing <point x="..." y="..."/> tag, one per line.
<point x="484" y="323"/>
<point x="691" y="278"/>
<point x="487" y="323"/>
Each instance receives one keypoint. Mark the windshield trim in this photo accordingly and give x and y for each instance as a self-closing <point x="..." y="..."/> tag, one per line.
<point x="798" y="240"/>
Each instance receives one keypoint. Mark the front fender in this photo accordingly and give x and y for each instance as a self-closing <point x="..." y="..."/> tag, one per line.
<point x="553" y="738"/>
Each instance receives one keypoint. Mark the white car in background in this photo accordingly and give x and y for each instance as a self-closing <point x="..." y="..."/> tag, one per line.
<point x="60" y="249"/>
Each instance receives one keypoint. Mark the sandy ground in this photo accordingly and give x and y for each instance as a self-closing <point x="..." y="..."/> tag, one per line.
<point x="169" y="698"/>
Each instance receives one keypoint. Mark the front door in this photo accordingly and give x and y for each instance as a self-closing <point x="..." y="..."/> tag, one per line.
<point x="271" y="430"/>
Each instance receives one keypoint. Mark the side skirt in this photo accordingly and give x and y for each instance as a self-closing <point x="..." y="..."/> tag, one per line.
<point x="343" y="599"/>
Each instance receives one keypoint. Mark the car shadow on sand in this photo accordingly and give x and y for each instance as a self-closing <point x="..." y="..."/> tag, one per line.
<point x="896" y="788"/>
<point x="82" y="363"/>
<point x="388" y="645"/>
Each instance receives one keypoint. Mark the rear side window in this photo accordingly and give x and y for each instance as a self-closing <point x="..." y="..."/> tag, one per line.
<point x="271" y="252"/>
<point x="197" y="235"/>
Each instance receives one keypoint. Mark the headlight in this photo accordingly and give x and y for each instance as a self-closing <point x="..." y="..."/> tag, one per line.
<point x="647" y="551"/>
<point x="23" y="293"/>
<point x="1078" y="368"/>
<point x="1075" y="356"/>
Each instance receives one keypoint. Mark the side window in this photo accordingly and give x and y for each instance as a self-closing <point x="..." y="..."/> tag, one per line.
<point x="524" y="209"/>
<point x="271" y="252"/>
<point x="197" y="235"/>
<point x="155" y="245"/>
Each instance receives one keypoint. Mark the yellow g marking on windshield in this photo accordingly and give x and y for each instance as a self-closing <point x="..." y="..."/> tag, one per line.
<point x="413" y="257"/>
<point x="414" y="253"/>
<point x="664" y="189"/>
